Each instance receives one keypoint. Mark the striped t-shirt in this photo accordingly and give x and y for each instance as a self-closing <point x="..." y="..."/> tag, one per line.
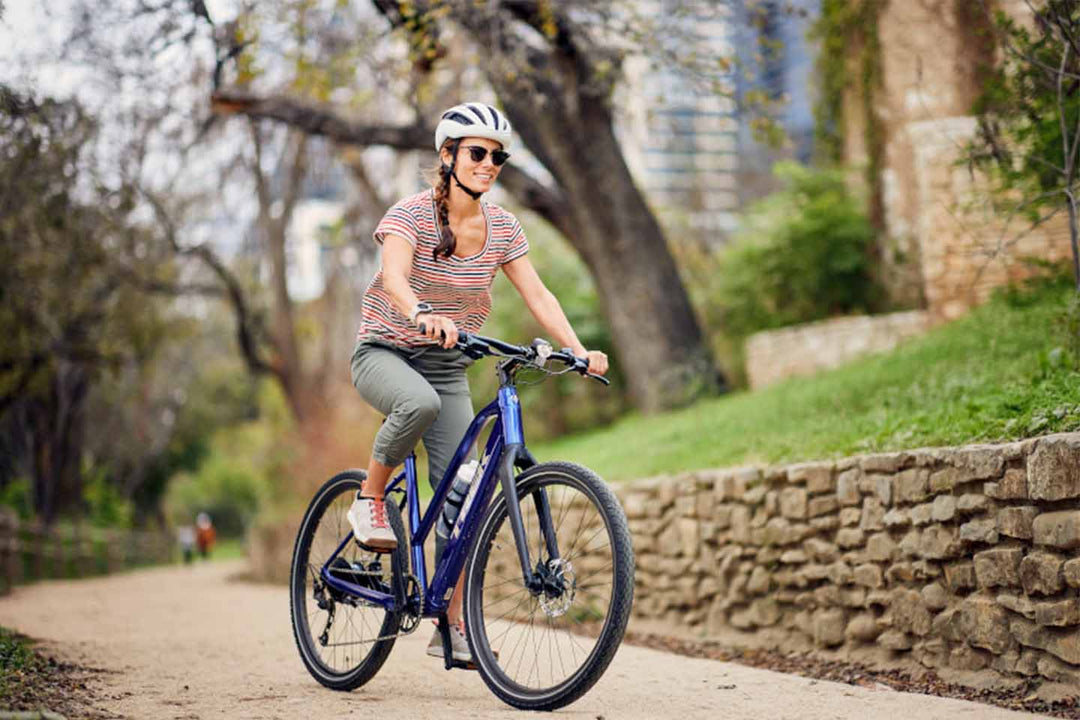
<point x="459" y="288"/>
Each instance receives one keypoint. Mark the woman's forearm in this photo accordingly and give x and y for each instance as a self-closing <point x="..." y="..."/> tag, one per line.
<point x="549" y="313"/>
<point x="401" y="294"/>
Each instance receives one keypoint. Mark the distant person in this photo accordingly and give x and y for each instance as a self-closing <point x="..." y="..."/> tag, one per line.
<point x="205" y="535"/>
<point x="186" y="535"/>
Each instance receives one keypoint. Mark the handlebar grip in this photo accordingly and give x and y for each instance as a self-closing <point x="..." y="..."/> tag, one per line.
<point x="423" y="330"/>
<point x="463" y="337"/>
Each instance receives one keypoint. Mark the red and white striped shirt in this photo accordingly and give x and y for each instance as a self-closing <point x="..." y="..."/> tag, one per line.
<point x="459" y="288"/>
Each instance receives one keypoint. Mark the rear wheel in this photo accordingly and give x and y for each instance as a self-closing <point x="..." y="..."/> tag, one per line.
<point x="543" y="649"/>
<point x="343" y="640"/>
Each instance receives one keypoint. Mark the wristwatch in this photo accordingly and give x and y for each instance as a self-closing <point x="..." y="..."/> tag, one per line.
<point x="420" y="307"/>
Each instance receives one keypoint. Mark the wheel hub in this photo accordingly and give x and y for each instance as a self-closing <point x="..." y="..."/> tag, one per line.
<point x="559" y="587"/>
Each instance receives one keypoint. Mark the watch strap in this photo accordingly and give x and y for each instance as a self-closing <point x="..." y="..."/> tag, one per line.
<point x="420" y="307"/>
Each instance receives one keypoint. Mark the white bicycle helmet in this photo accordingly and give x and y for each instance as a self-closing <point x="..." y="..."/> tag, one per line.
<point x="473" y="120"/>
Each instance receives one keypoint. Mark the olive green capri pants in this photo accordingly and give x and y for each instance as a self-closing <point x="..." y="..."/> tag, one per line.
<point x="423" y="393"/>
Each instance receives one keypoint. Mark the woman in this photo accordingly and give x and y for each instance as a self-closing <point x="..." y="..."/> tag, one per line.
<point x="440" y="251"/>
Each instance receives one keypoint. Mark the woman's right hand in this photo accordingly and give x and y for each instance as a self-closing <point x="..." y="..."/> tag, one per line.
<point x="439" y="328"/>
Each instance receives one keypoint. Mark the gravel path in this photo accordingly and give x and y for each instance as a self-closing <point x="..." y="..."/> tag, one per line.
<point x="182" y="643"/>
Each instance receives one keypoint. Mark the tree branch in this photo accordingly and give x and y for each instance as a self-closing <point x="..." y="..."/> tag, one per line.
<point x="316" y="120"/>
<point x="247" y="325"/>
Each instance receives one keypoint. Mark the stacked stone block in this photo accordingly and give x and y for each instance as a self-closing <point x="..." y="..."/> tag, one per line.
<point x="773" y="355"/>
<point x="960" y="558"/>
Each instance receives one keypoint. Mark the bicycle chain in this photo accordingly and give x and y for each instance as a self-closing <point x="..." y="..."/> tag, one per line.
<point x="399" y="633"/>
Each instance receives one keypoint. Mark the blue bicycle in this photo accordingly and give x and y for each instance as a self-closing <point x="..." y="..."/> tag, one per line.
<point x="549" y="574"/>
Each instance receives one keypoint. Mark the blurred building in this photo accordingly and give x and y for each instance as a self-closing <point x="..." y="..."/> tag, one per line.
<point x="310" y="245"/>
<point x="689" y="141"/>
<point x="775" y="59"/>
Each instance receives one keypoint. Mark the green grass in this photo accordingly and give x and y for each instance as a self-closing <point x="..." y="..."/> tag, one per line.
<point x="1001" y="373"/>
<point x="22" y="671"/>
<point x="15" y="657"/>
<point x="30" y="681"/>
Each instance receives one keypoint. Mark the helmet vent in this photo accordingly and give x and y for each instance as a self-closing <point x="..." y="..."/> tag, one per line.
<point x="458" y="117"/>
<point x="479" y="114"/>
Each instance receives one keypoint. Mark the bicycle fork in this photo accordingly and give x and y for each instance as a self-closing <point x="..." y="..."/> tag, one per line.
<point x="513" y="456"/>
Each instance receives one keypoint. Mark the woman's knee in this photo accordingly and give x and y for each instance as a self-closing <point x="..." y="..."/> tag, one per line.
<point x="420" y="409"/>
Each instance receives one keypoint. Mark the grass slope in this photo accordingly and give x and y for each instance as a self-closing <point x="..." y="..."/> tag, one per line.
<point x="998" y="374"/>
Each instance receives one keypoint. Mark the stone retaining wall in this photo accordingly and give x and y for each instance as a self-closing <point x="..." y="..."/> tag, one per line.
<point x="960" y="559"/>
<point x="806" y="349"/>
<point x="943" y="247"/>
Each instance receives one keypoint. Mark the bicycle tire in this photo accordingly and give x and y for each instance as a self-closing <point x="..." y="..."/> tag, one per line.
<point x="334" y="497"/>
<point x="496" y="667"/>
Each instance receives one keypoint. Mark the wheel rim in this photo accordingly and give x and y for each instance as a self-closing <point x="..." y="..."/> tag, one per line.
<point x="542" y="643"/>
<point x="353" y="632"/>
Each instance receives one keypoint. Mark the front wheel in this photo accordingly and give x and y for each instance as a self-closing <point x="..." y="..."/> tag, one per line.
<point x="543" y="649"/>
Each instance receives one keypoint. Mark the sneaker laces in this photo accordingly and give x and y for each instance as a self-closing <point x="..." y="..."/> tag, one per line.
<point x="378" y="514"/>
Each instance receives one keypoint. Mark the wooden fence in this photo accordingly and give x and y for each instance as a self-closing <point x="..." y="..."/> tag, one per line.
<point x="31" y="551"/>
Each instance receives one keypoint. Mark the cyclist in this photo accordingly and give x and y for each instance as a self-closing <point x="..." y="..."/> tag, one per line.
<point x="441" y="249"/>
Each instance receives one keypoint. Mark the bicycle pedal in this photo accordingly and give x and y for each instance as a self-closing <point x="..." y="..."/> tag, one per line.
<point x="369" y="548"/>
<point x="462" y="665"/>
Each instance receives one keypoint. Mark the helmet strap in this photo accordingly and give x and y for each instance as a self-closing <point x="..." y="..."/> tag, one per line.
<point x="471" y="193"/>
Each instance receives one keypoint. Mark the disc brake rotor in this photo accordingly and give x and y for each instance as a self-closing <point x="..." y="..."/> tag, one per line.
<point x="561" y="574"/>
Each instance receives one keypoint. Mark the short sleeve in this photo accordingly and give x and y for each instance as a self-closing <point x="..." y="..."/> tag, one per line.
<point x="517" y="245"/>
<point x="398" y="221"/>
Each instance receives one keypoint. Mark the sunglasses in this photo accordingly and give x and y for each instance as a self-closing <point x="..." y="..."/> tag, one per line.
<point x="479" y="153"/>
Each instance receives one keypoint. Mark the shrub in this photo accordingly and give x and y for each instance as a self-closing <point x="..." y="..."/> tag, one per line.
<point x="239" y="473"/>
<point x="106" y="505"/>
<point x="803" y="254"/>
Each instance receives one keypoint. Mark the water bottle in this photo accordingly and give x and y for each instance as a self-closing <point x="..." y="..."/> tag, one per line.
<point x="455" y="499"/>
<point x="477" y="470"/>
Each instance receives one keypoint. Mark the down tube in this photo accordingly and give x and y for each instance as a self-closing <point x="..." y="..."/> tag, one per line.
<point x="461" y="539"/>
<point x="421" y="531"/>
<point x="420" y="527"/>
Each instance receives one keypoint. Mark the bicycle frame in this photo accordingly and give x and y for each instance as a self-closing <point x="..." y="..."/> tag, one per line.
<point x="504" y="451"/>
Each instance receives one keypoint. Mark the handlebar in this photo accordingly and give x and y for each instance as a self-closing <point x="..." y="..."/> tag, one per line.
<point x="478" y="346"/>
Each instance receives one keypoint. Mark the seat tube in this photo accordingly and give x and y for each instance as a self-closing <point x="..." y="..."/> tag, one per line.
<point x="419" y="563"/>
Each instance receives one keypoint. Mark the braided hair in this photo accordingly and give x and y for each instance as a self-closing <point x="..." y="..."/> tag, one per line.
<point x="447" y="241"/>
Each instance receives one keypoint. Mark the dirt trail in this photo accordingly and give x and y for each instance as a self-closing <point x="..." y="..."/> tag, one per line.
<point x="191" y="642"/>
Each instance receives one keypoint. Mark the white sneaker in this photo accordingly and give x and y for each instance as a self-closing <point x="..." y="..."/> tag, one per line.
<point x="370" y="528"/>
<point x="459" y="646"/>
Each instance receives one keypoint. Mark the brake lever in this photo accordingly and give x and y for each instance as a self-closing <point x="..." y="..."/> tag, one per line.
<point x="581" y="366"/>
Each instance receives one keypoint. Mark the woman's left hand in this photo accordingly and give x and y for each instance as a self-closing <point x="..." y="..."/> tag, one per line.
<point x="598" y="362"/>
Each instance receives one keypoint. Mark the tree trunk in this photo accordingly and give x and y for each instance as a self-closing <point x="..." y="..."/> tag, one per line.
<point x="661" y="349"/>
<point x="291" y="371"/>
<point x="56" y="423"/>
